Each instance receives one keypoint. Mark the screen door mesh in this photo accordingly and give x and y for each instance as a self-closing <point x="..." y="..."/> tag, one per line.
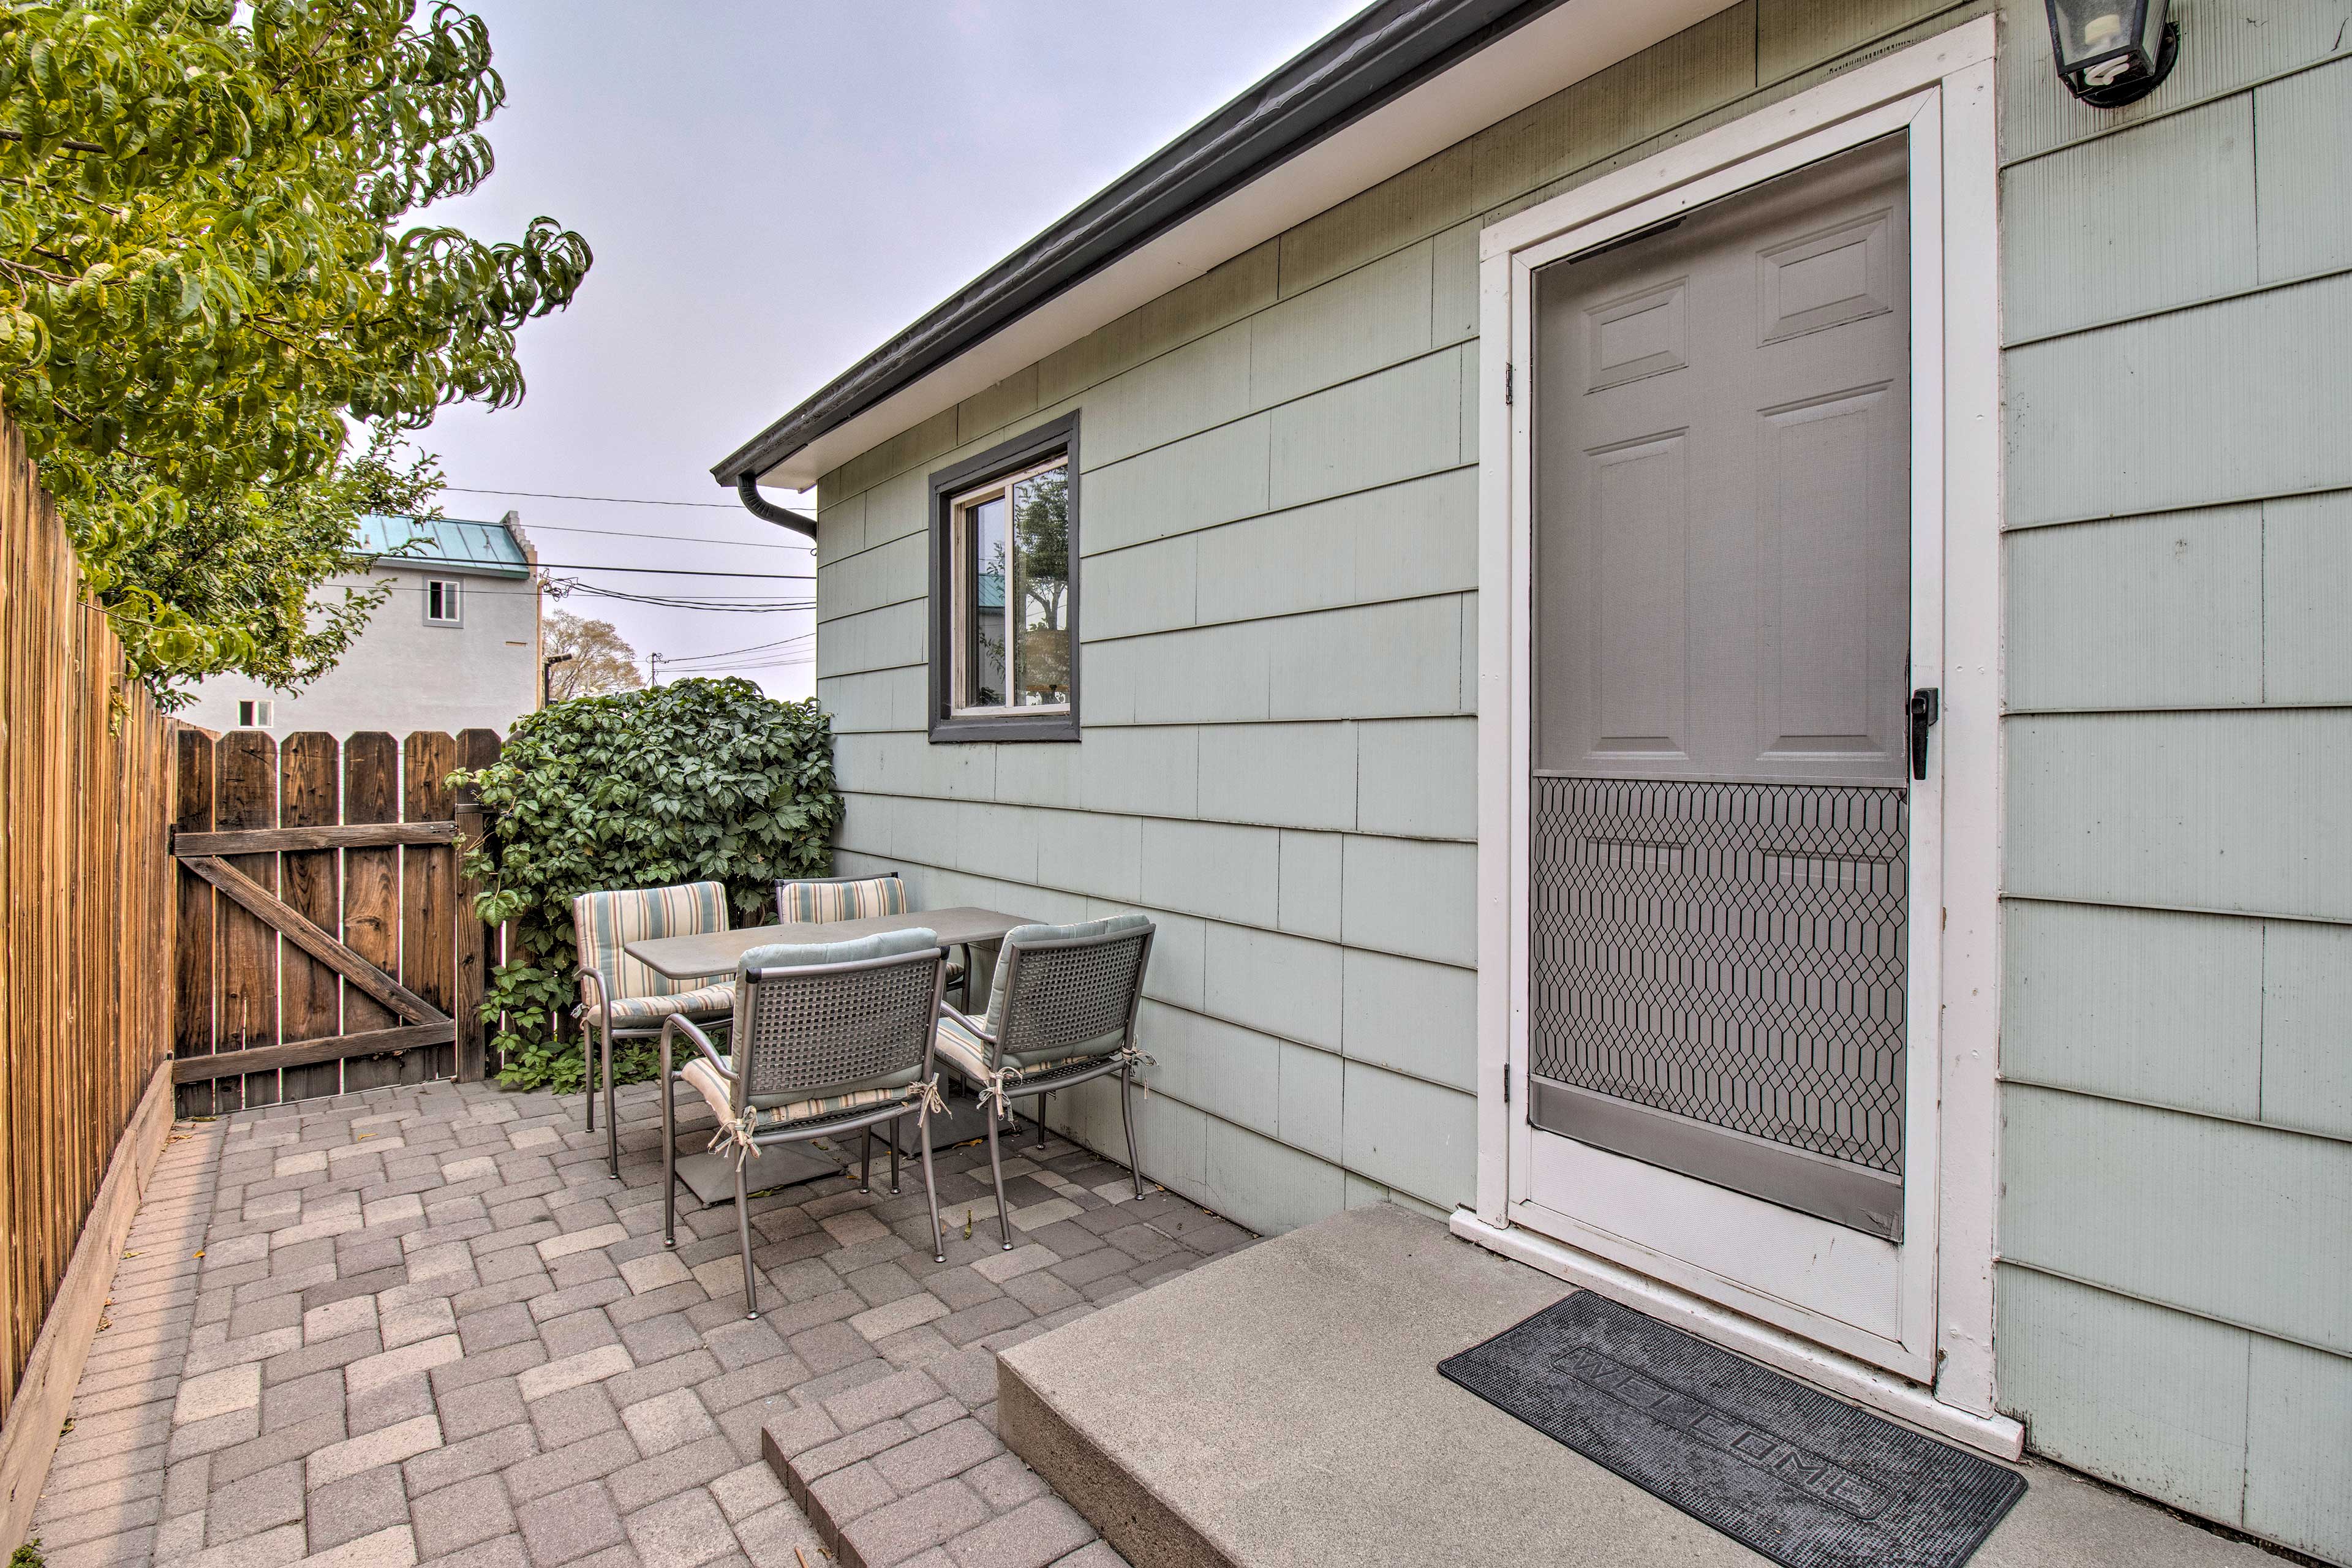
<point x="1729" y="952"/>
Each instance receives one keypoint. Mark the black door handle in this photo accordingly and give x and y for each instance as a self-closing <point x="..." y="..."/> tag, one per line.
<point x="1927" y="706"/>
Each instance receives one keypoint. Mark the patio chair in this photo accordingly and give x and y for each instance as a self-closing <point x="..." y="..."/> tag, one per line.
<point x="814" y="899"/>
<point x="1061" y="1012"/>
<point x="621" y="998"/>
<point x="828" y="1037"/>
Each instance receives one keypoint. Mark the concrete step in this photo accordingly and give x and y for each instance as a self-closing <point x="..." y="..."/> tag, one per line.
<point x="1281" y="1407"/>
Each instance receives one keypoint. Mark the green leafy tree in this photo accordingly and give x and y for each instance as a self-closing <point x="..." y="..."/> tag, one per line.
<point x="696" y="780"/>
<point x="204" y="282"/>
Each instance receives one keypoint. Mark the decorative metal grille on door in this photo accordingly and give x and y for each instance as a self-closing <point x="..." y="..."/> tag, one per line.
<point x="1731" y="955"/>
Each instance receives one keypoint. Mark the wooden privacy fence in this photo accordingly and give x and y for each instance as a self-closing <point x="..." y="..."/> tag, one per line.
<point x="86" y="911"/>
<point x="327" y="940"/>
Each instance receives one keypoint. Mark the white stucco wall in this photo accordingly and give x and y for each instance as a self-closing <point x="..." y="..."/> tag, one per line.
<point x="402" y="673"/>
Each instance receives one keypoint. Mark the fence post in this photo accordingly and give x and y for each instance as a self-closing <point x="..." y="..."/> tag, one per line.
<point x="473" y="951"/>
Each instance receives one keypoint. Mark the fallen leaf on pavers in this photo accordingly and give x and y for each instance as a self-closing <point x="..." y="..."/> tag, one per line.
<point x="66" y="1427"/>
<point x="128" y="1256"/>
<point x="967" y="1224"/>
<point x="199" y="1255"/>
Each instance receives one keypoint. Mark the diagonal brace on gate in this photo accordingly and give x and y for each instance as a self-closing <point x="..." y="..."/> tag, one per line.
<point x="274" y="912"/>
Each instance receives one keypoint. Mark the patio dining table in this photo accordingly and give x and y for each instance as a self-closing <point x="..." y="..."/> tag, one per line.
<point x="718" y="952"/>
<point x="711" y="1177"/>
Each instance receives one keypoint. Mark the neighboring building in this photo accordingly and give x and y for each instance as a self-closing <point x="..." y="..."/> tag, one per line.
<point x="454" y="647"/>
<point x="1520" y="463"/>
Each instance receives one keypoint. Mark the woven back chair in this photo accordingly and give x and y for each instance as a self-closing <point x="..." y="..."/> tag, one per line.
<point x="1061" y="1013"/>
<point x="827" y="1038"/>
<point x="622" y="998"/>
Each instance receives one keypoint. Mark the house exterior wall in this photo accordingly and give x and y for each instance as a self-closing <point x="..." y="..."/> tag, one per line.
<point x="2175" y="1294"/>
<point x="400" y="674"/>
<point x="1277" y="521"/>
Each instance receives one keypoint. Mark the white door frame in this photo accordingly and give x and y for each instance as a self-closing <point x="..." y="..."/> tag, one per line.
<point x="1932" y="1364"/>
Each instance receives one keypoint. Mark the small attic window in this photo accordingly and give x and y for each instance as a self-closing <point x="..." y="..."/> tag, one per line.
<point x="443" y="601"/>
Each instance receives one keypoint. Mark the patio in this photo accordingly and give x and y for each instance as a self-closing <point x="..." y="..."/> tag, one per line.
<point x="422" y="1324"/>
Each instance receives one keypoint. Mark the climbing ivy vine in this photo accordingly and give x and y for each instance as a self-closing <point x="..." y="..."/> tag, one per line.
<point x="694" y="782"/>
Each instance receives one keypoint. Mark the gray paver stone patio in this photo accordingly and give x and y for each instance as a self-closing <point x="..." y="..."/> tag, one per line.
<point x="423" y="1325"/>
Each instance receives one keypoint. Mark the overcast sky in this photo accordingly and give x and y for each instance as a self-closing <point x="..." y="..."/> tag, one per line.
<point x="771" y="190"/>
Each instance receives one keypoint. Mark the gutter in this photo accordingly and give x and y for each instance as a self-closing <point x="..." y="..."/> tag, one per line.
<point x="746" y="490"/>
<point x="1377" y="56"/>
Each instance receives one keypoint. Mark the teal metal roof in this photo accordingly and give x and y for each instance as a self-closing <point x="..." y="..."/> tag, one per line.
<point x="488" y="548"/>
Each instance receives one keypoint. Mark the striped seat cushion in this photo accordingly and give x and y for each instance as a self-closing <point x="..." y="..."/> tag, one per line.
<point x="846" y="899"/>
<point x="966" y="1056"/>
<point x="839" y="898"/>
<point x="703" y="1004"/>
<point x="605" y="923"/>
<point x="718" y="1093"/>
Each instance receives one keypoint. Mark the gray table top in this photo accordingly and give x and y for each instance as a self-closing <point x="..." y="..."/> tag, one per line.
<point x="716" y="953"/>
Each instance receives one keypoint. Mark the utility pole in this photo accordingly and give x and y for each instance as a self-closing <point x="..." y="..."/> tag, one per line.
<point x="655" y="662"/>
<point x="547" y="677"/>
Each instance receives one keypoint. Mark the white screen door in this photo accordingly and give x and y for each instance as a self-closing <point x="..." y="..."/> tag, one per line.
<point x="1725" y="841"/>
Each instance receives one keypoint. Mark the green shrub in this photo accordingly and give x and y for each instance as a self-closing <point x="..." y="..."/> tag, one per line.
<point x="700" y="781"/>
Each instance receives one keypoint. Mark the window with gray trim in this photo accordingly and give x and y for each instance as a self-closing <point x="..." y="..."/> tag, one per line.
<point x="444" y="601"/>
<point x="1005" y="590"/>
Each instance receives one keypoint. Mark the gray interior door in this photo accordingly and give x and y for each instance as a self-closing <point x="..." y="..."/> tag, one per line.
<point x="1722" y="643"/>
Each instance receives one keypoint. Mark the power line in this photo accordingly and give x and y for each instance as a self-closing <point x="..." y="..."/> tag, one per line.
<point x="733" y="652"/>
<point x="618" y="500"/>
<point x="688" y="602"/>
<point x="664" y="571"/>
<point x="666" y="538"/>
<point x="690" y="671"/>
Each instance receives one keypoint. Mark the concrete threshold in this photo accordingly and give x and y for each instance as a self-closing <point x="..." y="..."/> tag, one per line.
<point x="1281" y="1407"/>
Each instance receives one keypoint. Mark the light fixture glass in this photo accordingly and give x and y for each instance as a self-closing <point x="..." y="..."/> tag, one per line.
<point x="2112" y="52"/>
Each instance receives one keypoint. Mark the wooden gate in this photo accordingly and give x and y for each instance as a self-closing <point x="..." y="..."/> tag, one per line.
<point x="327" y="941"/>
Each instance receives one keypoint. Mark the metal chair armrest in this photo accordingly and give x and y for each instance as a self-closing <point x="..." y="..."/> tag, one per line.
<point x="968" y="1022"/>
<point x="604" y="990"/>
<point x="677" y="1022"/>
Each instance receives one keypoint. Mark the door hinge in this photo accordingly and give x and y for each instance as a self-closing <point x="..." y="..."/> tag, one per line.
<point x="1507" y="371"/>
<point x="1507" y="1083"/>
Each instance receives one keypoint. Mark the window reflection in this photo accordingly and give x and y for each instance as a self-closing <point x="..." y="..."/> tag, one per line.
<point x="1039" y="605"/>
<point x="986" y="550"/>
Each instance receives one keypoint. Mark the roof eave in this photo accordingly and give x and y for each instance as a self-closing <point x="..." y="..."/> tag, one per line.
<point x="1381" y="53"/>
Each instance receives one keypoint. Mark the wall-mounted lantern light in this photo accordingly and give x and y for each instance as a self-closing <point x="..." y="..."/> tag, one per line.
<point x="2112" y="52"/>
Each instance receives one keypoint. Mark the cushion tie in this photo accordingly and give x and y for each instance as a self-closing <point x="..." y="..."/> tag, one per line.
<point x="742" y="1131"/>
<point x="1002" y="1083"/>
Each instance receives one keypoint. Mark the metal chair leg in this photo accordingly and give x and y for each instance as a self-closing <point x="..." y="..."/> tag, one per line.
<point x="932" y="1193"/>
<point x="866" y="1162"/>
<point x="996" y="1164"/>
<point x="611" y="1116"/>
<point x="670" y="1170"/>
<point x="588" y="1072"/>
<point x="891" y="1138"/>
<point x="743" y="1233"/>
<point x="1126" y="1112"/>
<point x="1041" y="1119"/>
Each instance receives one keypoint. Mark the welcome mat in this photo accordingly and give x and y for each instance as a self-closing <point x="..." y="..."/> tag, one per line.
<point x="1808" y="1480"/>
